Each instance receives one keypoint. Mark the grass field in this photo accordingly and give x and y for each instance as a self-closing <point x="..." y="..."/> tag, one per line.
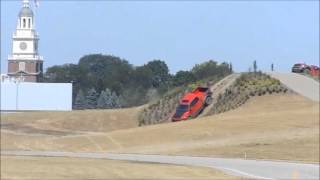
<point x="37" y="168"/>
<point x="267" y="127"/>
<point x="282" y="127"/>
<point x="66" y="123"/>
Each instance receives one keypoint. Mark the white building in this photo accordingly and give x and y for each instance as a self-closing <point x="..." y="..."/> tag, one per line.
<point x="25" y="61"/>
<point x="19" y="90"/>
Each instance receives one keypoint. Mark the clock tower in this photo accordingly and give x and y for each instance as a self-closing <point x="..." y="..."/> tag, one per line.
<point x="25" y="61"/>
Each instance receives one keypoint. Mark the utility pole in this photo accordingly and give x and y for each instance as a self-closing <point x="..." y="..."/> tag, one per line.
<point x="255" y="67"/>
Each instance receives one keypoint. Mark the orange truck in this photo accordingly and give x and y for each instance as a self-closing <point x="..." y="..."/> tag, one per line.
<point x="192" y="104"/>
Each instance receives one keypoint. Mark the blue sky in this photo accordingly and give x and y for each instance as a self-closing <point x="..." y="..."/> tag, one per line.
<point x="182" y="33"/>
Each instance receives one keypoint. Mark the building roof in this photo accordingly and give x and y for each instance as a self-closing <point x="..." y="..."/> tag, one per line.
<point x="26" y="12"/>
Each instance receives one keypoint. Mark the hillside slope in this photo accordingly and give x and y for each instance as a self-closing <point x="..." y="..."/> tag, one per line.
<point x="162" y="110"/>
<point x="63" y="123"/>
<point x="271" y="127"/>
<point x="218" y="89"/>
<point x="284" y="126"/>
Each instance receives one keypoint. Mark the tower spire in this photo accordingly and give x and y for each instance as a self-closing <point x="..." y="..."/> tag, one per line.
<point x="25" y="3"/>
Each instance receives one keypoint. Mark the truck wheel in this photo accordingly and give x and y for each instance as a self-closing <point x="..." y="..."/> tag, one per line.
<point x="208" y="100"/>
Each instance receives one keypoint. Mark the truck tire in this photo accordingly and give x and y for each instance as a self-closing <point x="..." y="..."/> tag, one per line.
<point x="208" y="100"/>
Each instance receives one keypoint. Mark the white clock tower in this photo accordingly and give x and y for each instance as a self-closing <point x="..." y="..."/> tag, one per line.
<point x="25" y="61"/>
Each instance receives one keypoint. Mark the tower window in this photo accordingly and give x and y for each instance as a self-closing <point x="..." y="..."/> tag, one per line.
<point x="24" y="23"/>
<point x="29" y="23"/>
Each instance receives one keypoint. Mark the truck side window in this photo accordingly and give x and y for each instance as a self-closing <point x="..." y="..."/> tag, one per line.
<point x="194" y="101"/>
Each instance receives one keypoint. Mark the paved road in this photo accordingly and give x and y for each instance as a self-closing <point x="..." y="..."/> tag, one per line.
<point x="256" y="169"/>
<point x="300" y="84"/>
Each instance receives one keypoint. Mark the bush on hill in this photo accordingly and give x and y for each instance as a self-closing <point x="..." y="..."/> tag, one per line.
<point x="162" y="109"/>
<point x="246" y="86"/>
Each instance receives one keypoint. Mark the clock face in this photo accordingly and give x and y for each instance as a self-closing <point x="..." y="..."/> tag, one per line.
<point x="23" y="46"/>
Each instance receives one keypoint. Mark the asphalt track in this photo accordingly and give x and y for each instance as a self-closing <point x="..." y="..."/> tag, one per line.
<point x="256" y="169"/>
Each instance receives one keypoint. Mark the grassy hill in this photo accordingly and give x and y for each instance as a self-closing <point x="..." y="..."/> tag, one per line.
<point x="248" y="85"/>
<point x="276" y="126"/>
<point x="162" y="109"/>
<point x="268" y="124"/>
<point x="60" y="123"/>
<point x="244" y="87"/>
<point x="266" y="127"/>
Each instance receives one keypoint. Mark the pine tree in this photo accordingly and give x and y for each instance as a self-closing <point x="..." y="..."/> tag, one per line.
<point x="115" y="100"/>
<point x="91" y="98"/>
<point x="101" y="100"/>
<point x="80" y="101"/>
<point x="108" y="99"/>
<point x="105" y="100"/>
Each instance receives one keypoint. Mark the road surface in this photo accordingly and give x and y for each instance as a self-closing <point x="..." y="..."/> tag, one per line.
<point x="257" y="169"/>
<point x="301" y="84"/>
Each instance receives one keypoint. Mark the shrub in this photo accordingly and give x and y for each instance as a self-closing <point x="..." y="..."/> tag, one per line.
<point x="246" y="86"/>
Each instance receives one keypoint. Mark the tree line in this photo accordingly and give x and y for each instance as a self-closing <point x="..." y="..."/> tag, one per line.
<point x="105" y="81"/>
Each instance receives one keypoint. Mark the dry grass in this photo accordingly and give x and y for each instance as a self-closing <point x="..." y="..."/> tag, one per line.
<point x="72" y="122"/>
<point x="267" y="127"/>
<point x="79" y="168"/>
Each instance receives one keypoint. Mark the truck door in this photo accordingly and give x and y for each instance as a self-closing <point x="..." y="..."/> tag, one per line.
<point x="194" y="107"/>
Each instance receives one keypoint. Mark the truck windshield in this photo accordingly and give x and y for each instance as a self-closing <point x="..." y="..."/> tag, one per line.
<point x="183" y="108"/>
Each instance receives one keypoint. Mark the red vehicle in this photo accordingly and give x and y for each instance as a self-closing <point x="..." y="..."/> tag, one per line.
<point x="300" y="68"/>
<point x="304" y="68"/>
<point x="314" y="70"/>
<point x="192" y="104"/>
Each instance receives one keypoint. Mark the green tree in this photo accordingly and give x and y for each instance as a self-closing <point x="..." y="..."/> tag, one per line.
<point x="204" y="70"/>
<point x="108" y="100"/>
<point x="183" y="77"/>
<point x="80" y="101"/>
<point x="101" y="102"/>
<point x="115" y="100"/>
<point x="209" y="69"/>
<point x="91" y="98"/>
<point x="133" y="96"/>
<point x="105" y="71"/>
<point x="141" y="77"/>
<point x="160" y="72"/>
